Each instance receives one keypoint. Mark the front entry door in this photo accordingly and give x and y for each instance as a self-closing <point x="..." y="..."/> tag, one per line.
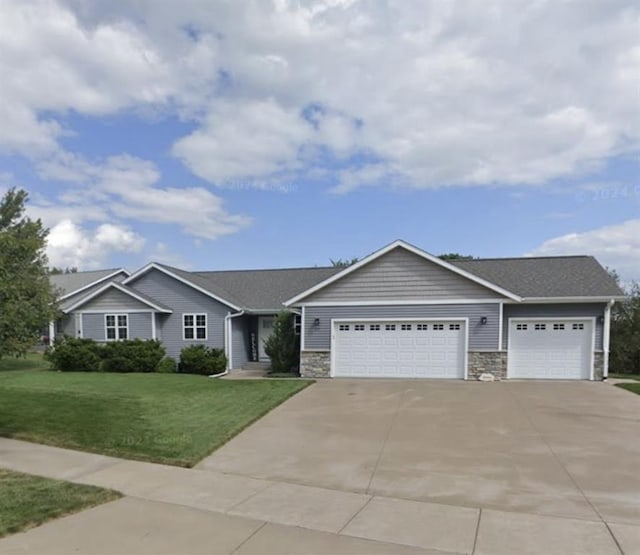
<point x="265" y="326"/>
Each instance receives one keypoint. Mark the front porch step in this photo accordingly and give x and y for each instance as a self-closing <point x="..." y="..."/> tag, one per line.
<point x="264" y="366"/>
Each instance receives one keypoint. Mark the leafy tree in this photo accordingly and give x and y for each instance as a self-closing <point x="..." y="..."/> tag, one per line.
<point x="340" y="263"/>
<point x="624" y="354"/>
<point x="283" y="345"/>
<point x="455" y="256"/>
<point x="54" y="270"/>
<point x="27" y="301"/>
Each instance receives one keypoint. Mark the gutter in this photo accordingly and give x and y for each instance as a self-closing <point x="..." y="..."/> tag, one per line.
<point x="227" y="342"/>
<point x="606" y="338"/>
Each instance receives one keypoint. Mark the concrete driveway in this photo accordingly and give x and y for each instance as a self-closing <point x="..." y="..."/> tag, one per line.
<point x="568" y="449"/>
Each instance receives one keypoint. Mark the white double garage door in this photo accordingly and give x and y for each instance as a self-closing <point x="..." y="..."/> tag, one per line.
<point x="540" y="349"/>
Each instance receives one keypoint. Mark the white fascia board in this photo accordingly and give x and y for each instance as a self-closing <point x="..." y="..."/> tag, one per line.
<point x="560" y="300"/>
<point x="414" y="250"/>
<point x="89" y="285"/>
<point x="117" y="286"/>
<point x="154" y="266"/>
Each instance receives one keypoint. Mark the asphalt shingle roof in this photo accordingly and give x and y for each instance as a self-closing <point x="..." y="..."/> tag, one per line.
<point x="68" y="283"/>
<point x="561" y="276"/>
<point x="266" y="289"/>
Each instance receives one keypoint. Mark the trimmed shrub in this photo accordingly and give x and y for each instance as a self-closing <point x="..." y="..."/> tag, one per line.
<point x="167" y="366"/>
<point x="199" y="359"/>
<point x="75" y="355"/>
<point x="283" y="345"/>
<point x="133" y="355"/>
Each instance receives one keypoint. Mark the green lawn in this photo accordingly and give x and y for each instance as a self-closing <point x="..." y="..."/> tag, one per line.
<point x="32" y="361"/>
<point x="168" y="418"/>
<point x="626" y="376"/>
<point x="633" y="387"/>
<point x="28" y="501"/>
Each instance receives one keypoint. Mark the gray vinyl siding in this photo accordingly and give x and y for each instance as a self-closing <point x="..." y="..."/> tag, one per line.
<point x="481" y="337"/>
<point x="588" y="310"/>
<point x="139" y="325"/>
<point x="115" y="300"/>
<point x="401" y="275"/>
<point x="240" y="339"/>
<point x="182" y="299"/>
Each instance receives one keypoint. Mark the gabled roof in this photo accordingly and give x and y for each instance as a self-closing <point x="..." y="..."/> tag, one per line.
<point x="266" y="289"/>
<point x="403" y="245"/>
<point x="192" y="280"/>
<point x="72" y="284"/>
<point x="151" y="303"/>
<point x="551" y="277"/>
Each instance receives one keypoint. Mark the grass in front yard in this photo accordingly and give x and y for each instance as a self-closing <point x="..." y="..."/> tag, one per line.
<point x="31" y="361"/>
<point x="27" y="501"/>
<point x="626" y="376"/>
<point x="168" y="418"/>
<point x="633" y="387"/>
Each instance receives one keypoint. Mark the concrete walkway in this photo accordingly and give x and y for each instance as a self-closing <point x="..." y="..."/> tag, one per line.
<point x="172" y="510"/>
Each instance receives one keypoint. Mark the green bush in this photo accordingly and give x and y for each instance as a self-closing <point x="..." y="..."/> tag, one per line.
<point x="167" y="366"/>
<point x="283" y="345"/>
<point x="133" y="355"/>
<point x="199" y="359"/>
<point x="75" y="355"/>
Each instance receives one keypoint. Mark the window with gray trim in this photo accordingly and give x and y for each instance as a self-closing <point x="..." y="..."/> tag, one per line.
<point x="194" y="326"/>
<point x="116" y="327"/>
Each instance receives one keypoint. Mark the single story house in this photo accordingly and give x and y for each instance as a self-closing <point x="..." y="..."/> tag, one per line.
<point x="399" y="312"/>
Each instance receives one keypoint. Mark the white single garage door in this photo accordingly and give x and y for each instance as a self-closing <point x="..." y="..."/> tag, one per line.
<point x="399" y="349"/>
<point x="550" y="349"/>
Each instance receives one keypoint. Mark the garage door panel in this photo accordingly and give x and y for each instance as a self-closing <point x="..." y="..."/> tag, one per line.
<point x="550" y="349"/>
<point x="400" y="349"/>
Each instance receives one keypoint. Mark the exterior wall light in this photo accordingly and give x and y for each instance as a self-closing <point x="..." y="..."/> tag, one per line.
<point x="483" y="320"/>
<point x="316" y="322"/>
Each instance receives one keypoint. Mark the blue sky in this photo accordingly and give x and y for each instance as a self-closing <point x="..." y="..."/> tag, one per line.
<point x="283" y="134"/>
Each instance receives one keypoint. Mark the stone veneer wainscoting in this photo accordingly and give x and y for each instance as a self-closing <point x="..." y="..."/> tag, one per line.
<point x="487" y="362"/>
<point x="315" y="364"/>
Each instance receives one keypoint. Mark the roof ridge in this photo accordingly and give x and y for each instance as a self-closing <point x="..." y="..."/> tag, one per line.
<point x="521" y="258"/>
<point x="269" y="269"/>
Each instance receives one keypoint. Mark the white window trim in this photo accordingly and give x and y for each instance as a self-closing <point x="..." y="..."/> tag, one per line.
<point x="116" y="315"/>
<point x="195" y="327"/>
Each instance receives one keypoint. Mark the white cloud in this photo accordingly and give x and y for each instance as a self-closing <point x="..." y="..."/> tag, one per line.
<point x="443" y="93"/>
<point x="124" y="188"/>
<point x="70" y="245"/>
<point x="616" y="246"/>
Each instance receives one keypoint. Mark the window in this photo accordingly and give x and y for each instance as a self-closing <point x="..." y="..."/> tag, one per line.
<point x="116" y="326"/>
<point x="454" y="326"/>
<point x="297" y="324"/>
<point x="374" y="327"/>
<point x="558" y="326"/>
<point x="422" y="327"/>
<point x="405" y="327"/>
<point x="521" y="327"/>
<point x="358" y="327"/>
<point x="343" y="327"/>
<point x="540" y="327"/>
<point x="438" y="327"/>
<point x="390" y="327"/>
<point x="578" y="326"/>
<point x="194" y="326"/>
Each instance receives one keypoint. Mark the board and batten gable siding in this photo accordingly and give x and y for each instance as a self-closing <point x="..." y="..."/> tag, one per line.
<point x="565" y="310"/>
<point x="113" y="300"/>
<point x="139" y="325"/>
<point x="482" y="337"/>
<point x="182" y="299"/>
<point x="240" y="338"/>
<point x="401" y="275"/>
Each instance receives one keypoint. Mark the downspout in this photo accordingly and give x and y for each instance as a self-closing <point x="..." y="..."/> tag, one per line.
<point x="606" y="339"/>
<point x="227" y="342"/>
